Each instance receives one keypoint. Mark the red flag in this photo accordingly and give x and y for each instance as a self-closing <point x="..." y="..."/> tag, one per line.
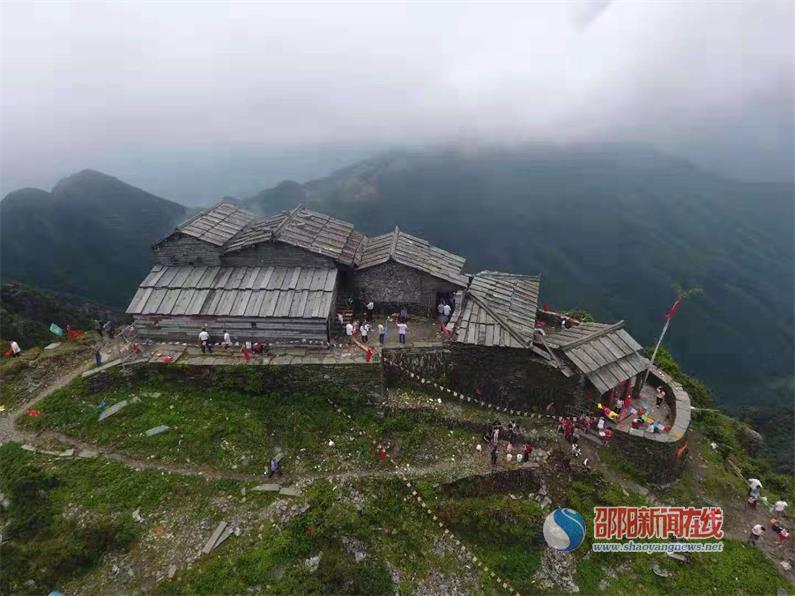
<point x="670" y="314"/>
<point x="546" y="307"/>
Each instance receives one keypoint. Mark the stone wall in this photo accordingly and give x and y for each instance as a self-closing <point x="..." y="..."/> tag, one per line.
<point x="278" y="255"/>
<point x="659" y="457"/>
<point x="179" y="249"/>
<point x="363" y="381"/>
<point x="508" y="377"/>
<point x="392" y="285"/>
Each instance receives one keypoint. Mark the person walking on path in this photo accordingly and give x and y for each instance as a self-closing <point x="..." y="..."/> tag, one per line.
<point x="98" y="358"/>
<point x="779" y="507"/>
<point x="402" y="327"/>
<point x="494" y="456"/>
<point x="227" y="340"/>
<point x="15" y="349"/>
<point x="381" y="334"/>
<point x="204" y="340"/>
<point x="349" y="332"/>
<point x="756" y="532"/>
<point x="370" y="308"/>
<point x="274" y="468"/>
<point x="447" y="311"/>
<point x="365" y="331"/>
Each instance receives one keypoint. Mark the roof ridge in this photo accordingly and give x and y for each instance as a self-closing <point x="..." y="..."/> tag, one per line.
<point x="277" y="232"/>
<point x="594" y="335"/>
<point x="393" y="247"/>
<point x="505" y="325"/>
<point x="535" y="277"/>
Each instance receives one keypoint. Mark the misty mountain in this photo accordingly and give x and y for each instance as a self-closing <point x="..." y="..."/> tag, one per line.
<point x="26" y="314"/>
<point x="610" y="228"/>
<point x="90" y="236"/>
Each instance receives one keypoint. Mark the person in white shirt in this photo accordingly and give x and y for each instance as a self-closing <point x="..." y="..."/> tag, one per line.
<point x="446" y="311"/>
<point x="349" y="332"/>
<point x="370" y="308"/>
<point x="440" y="308"/>
<point x="402" y="327"/>
<point x="756" y="532"/>
<point x="381" y="334"/>
<point x="365" y="330"/>
<point x="601" y="424"/>
<point x="204" y="338"/>
<point x="227" y="340"/>
<point x="15" y="349"/>
<point x="779" y="506"/>
<point x="755" y="487"/>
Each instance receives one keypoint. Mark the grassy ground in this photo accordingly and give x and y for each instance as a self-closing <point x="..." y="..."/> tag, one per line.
<point x="24" y="375"/>
<point x="230" y="429"/>
<point x="65" y="515"/>
<point x="71" y="525"/>
<point x="360" y="549"/>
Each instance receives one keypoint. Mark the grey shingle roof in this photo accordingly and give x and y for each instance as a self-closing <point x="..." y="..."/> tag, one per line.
<point x="305" y="229"/>
<point x="217" y="224"/>
<point x="256" y="232"/>
<point x="416" y="253"/>
<point x="499" y="310"/>
<point x="606" y="354"/>
<point x="295" y="292"/>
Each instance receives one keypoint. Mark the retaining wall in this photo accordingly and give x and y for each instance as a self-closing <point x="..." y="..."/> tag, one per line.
<point x="364" y="381"/>
<point x="507" y="377"/>
<point x="658" y="456"/>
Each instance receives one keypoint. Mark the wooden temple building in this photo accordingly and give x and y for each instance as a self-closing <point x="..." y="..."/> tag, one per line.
<point x="282" y="280"/>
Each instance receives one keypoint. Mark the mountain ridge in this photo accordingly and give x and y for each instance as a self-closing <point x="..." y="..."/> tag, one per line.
<point x="611" y="230"/>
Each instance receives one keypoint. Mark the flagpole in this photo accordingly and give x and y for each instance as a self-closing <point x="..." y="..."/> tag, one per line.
<point x="656" y="348"/>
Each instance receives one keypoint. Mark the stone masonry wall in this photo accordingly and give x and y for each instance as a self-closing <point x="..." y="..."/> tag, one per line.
<point x="392" y="285"/>
<point x="186" y="250"/>
<point x="659" y="456"/>
<point x="365" y="382"/>
<point x="276" y="254"/>
<point x="508" y="377"/>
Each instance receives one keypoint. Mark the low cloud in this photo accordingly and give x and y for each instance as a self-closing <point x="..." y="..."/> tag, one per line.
<point x="84" y="80"/>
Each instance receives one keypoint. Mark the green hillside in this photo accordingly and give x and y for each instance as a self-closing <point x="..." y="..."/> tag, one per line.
<point x="91" y="236"/>
<point x="610" y="228"/>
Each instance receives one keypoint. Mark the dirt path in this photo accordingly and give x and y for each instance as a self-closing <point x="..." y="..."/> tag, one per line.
<point x="42" y="440"/>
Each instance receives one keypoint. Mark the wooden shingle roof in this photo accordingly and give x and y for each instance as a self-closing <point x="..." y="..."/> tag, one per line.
<point x="252" y="292"/>
<point x="499" y="309"/>
<point x="256" y="232"/>
<point x="218" y="224"/>
<point x="306" y="229"/>
<point x="416" y="253"/>
<point x="606" y="354"/>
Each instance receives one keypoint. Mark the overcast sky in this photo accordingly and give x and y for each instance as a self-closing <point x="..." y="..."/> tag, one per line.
<point x="120" y="85"/>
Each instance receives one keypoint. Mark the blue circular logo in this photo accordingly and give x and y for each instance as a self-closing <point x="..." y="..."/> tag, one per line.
<point x="564" y="529"/>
